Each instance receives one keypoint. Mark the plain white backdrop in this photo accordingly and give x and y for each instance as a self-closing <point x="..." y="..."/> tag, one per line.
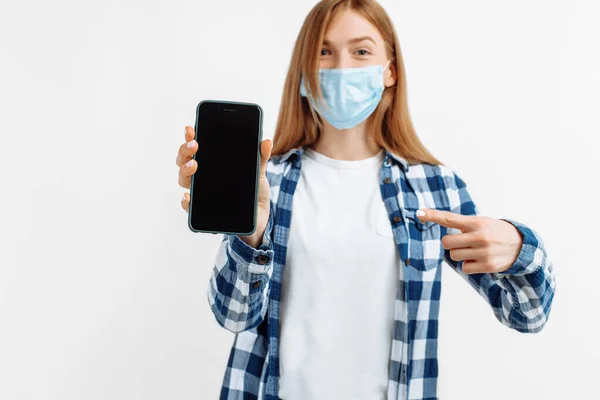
<point x="102" y="284"/>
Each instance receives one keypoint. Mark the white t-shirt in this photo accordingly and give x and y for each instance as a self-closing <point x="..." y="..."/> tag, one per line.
<point x="339" y="283"/>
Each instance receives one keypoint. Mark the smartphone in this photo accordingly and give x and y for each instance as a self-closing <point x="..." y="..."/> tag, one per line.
<point x="224" y="188"/>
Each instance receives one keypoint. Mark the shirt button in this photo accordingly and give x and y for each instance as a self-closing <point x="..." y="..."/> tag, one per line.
<point x="407" y="261"/>
<point x="262" y="259"/>
<point x="387" y="180"/>
<point x="397" y="218"/>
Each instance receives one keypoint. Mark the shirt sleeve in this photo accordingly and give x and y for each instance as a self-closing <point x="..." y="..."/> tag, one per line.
<point x="239" y="285"/>
<point x="521" y="297"/>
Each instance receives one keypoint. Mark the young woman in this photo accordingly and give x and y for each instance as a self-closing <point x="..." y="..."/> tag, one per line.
<point x="336" y="295"/>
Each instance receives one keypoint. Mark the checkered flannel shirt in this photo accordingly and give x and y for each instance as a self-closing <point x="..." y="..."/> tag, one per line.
<point x="244" y="289"/>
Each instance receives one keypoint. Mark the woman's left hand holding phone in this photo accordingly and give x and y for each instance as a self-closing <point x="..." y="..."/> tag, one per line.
<point x="187" y="165"/>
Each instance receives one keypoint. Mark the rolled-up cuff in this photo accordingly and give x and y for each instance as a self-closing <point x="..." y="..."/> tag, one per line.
<point x="530" y="257"/>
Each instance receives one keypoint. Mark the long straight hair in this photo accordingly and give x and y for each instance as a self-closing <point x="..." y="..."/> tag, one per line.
<point x="390" y="125"/>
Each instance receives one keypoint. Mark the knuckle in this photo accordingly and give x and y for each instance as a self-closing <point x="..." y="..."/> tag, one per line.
<point x="183" y="182"/>
<point x="480" y="238"/>
<point x="486" y="238"/>
<point x="485" y="261"/>
<point x="180" y="158"/>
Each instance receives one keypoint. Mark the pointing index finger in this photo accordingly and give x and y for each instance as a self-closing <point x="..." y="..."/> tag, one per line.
<point x="448" y="219"/>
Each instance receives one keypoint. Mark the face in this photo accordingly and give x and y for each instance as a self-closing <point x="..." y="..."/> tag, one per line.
<point x="352" y="42"/>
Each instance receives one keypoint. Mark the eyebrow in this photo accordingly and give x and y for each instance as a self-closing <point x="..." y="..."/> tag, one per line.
<point x="354" y="40"/>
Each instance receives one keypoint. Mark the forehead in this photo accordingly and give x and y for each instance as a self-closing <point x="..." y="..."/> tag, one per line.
<point x="348" y="24"/>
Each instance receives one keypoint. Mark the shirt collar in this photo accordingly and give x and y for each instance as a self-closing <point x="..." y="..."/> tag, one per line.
<point x="296" y="153"/>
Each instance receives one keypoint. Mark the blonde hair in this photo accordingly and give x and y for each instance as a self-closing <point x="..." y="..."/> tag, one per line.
<point x="389" y="125"/>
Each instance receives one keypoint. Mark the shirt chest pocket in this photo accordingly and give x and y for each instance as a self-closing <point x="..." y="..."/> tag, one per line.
<point x="383" y="226"/>
<point x="425" y="242"/>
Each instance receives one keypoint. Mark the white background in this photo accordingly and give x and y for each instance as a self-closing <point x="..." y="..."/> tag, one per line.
<point x="102" y="284"/>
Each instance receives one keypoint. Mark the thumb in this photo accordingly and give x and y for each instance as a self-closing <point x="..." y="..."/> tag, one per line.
<point x="265" y="153"/>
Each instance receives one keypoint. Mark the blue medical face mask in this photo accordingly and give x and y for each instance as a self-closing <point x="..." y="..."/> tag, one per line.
<point x="351" y="94"/>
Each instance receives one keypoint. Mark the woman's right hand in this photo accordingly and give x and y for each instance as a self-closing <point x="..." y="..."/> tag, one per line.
<point x="185" y="157"/>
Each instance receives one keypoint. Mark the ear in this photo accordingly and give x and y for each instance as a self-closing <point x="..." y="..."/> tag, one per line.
<point x="389" y="75"/>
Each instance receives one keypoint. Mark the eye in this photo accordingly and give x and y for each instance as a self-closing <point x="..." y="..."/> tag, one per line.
<point x="362" y="52"/>
<point x="324" y="51"/>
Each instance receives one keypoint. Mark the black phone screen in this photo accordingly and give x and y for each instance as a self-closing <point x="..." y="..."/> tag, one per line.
<point x="224" y="187"/>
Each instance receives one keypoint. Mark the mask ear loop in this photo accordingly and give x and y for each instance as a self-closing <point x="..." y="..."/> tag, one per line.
<point x="388" y="64"/>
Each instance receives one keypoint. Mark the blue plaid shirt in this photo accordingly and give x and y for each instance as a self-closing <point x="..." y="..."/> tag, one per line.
<point x="245" y="287"/>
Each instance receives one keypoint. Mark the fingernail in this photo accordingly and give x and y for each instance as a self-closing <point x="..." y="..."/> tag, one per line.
<point x="185" y="129"/>
<point x="190" y="144"/>
<point x="183" y="198"/>
<point x="420" y="213"/>
<point x="189" y="163"/>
